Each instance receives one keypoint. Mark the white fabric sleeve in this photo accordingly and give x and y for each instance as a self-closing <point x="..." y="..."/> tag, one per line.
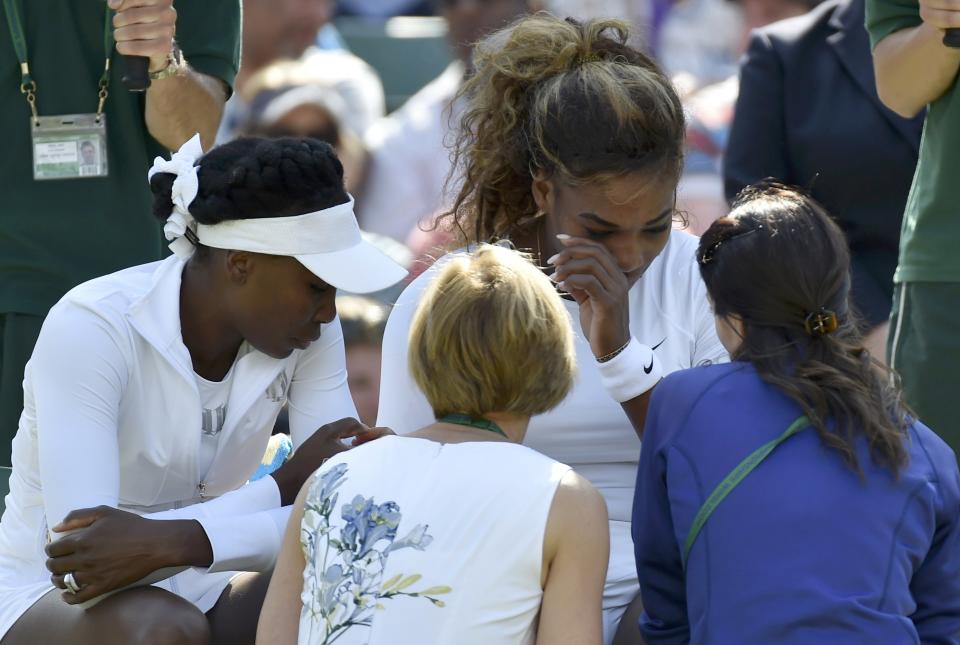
<point x="319" y="392"/>
<point x="240" y="525"/>
<point x="246" y="542"/>
<point x="403" y="407"/>
<point x="79" y="373"/>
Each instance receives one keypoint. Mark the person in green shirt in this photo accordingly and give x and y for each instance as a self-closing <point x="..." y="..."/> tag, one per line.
<point x="915" y="69"/>
<point x="75" y="203"/>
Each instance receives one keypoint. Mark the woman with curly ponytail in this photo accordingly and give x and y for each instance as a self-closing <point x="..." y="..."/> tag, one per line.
<point x="156" y="388"/>
<point x="570" y="148"/>
<point x="789" y="496"/>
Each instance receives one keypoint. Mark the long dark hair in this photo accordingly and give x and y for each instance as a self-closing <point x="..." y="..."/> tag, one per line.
<point x="780" y="264"/>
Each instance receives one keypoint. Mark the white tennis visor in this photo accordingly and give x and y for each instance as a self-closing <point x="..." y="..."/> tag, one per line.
<point x="327" y="242"/>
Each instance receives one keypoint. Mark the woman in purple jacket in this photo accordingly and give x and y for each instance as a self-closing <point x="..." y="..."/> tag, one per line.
<point x="788" y="497"/>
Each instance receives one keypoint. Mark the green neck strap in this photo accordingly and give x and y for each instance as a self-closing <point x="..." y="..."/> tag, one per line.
<point x="733" y="479"/>
<point x="13" y="10"/>
<point x="473" y="422"/>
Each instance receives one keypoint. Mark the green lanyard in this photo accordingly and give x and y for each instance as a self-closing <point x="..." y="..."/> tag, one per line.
<point x="733" y="479"/>
<point x="473" y="422"/>
<point x="28" y="86"/>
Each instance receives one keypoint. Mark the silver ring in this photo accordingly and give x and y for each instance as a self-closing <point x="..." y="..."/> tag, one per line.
<point x="70" y="583"/>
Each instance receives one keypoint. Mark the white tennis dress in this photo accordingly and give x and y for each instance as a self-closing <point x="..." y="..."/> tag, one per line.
<point x="409" y="541"/>
<point x="589" y="430"/>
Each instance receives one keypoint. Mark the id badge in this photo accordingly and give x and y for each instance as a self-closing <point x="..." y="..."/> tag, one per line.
<point x="69" y="146"/>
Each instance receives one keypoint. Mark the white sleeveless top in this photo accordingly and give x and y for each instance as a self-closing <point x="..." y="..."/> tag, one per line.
<point x="409" y="541"/>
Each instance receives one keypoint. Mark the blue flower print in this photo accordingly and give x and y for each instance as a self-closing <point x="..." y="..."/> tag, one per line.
<point x="343" y="578"/>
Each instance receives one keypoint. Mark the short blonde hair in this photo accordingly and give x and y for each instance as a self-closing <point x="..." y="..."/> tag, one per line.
<point x="492" y="335"/>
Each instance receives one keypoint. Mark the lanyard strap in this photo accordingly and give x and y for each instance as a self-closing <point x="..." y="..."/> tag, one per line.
<point x="473" y="422"/>
<point x="28" y="86"/>
<point x="733" y="479"/>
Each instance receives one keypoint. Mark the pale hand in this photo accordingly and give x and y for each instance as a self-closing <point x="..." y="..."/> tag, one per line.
<point x="145" y="28"/>
<point x="941" y="14"/>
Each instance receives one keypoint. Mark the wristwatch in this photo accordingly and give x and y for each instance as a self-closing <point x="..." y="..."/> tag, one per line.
<point x="176" y="65"/>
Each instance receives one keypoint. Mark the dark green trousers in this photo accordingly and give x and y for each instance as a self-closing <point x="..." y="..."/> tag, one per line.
<point x="18" y="334"/>
<point x="924" y="348"/>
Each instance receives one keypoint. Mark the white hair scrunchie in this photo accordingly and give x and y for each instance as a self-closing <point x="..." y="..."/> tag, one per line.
<point x="182" y="164"/>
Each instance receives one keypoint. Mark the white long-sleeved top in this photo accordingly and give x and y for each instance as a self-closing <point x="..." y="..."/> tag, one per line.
<point x="112" y="416"/>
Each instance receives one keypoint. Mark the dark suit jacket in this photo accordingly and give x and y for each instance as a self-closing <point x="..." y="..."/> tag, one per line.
<point x="808" y="114"/>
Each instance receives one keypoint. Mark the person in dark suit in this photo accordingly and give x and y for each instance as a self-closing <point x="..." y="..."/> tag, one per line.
<point x="808" y="114"/>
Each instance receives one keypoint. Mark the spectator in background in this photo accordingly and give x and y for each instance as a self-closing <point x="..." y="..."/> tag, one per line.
<point x="57" y="233"/>
<point x="698" y="42"/>
<point x="710" y="110"/>
<point x="410" y="160"/>
<point x="297" y="99"/>
<point x="385" y="8"/>
<point x="915" y="69"/>
<point x="641" y="15"/>
<point x="363" y="321"/>
<point x="276" y="30"/>
<point x="809" y="115"/>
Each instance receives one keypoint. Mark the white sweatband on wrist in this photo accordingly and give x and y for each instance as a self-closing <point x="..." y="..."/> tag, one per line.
<point x="630" y="373"/>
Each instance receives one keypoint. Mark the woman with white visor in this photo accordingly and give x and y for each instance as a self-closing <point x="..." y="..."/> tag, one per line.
<point x="156" y="388"/>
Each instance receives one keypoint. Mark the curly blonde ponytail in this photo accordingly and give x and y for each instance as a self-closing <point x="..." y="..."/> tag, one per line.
<point x="572" y="100"/>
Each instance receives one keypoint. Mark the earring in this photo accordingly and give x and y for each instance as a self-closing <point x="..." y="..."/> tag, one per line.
<point x="530" y="219"/>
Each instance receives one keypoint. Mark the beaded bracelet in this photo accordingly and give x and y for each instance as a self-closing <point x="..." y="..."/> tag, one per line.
<point x="606" y="357"/>
<point x="633" y="371"/>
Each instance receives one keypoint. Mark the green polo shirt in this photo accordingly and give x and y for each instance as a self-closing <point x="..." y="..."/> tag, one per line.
<point x="55" y="234"/>
<point x="930" y="238"/>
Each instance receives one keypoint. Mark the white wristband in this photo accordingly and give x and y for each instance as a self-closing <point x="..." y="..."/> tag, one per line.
<point x="630" y="373"/>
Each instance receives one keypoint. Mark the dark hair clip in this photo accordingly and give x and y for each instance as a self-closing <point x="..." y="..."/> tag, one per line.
<point x="191" y="236"/>
<point x="821" y="322"/>
<point x="708" y="254"/>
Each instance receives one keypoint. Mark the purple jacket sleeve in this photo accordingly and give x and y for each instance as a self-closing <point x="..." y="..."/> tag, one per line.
<point x="659" y="566"/>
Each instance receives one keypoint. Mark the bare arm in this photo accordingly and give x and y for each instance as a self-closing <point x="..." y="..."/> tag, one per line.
<point x="636" y="410"/>
<point x="576" y="552"/>
<point x="280" y="615"/>
<point x="179" y="106"/>
<point x="912" y="66"/>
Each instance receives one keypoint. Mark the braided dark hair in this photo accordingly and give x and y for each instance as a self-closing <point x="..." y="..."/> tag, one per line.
<point x="254" y="178"/>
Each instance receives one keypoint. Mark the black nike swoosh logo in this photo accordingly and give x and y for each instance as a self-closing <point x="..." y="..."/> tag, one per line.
<point x="649" y="368"/>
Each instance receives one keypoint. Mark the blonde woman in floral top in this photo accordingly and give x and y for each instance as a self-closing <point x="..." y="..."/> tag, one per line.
<point x="455" y="533"/>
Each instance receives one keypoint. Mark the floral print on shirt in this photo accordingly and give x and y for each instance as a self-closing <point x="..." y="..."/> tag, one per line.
<point x="343" y="578"/>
